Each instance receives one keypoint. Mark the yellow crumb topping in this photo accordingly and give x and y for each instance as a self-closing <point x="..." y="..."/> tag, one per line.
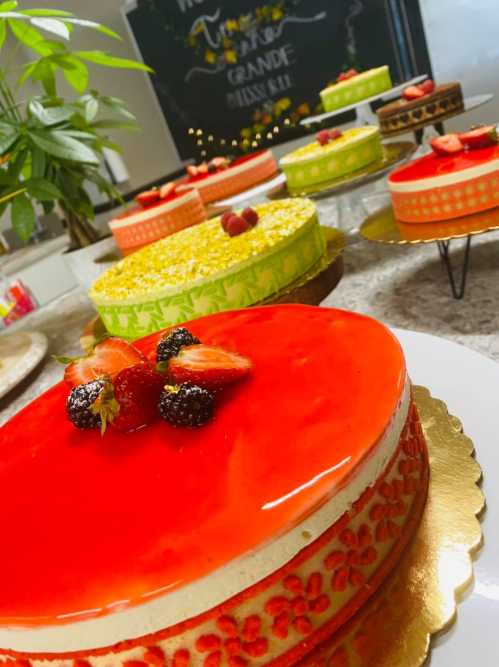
<point x="316" y="150"/>
<point x="201" y="252"/>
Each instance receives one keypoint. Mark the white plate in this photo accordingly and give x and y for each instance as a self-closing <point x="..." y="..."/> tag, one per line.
<point x="20" y="353"/>
<point x="469" y="384"/>
<point x="261" y="189"/>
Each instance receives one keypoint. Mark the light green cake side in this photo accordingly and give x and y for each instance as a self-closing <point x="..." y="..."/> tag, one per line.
<point x="239" y="285"/>
<point x="313" y="163"/>
<point x="361" y="87"/>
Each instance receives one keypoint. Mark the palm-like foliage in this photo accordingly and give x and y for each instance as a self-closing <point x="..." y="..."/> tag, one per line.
<point x="51" y="148"/>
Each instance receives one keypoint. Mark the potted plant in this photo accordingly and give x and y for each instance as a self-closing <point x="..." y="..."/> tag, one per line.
<point x="51" y="148"/>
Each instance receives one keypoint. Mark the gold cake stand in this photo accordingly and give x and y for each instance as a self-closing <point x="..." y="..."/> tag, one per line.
<point x="311" y="288"/>
<point x="420" y="599"/>
<point x="383" y="227"/>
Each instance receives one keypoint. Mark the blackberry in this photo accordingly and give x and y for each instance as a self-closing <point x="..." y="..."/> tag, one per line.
<point x="79" y="402"/>
<point x="186" y="405"/>
<point x="169" y="346"/>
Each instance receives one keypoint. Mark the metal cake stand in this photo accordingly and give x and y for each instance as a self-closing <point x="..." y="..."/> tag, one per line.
<point x="362" y="108"/>
<point x="383" y="227"/>
<point x="350" y="208"/>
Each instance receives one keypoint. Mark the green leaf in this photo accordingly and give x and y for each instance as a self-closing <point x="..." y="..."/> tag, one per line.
<point x="17" y="164"/>
<point x="77" y="76"/>
<point x="23" y="217"/>
<point x="50" y="116"/>
<point x="61" y="146"/>
<point x="45" y="12"/>
<point x="43" y="190"/>
<point x="28" y="36"/>
<point x="53" y="26"/>
<point x="95" y="26"/>
<point x="109" y="123"/>
<point x="8" y="6"/>
<point x="107" y="60"/>
<point x="116" y="105"/>
<point x="78" y="134"/>
<point x="3" y="32"/>
<point x="7" y="140"/>
<point x="38" y="163"/>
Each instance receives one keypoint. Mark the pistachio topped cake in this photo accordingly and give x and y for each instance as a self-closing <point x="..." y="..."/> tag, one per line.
<point x="334" y="154"/>
<point x="210" y="267"/>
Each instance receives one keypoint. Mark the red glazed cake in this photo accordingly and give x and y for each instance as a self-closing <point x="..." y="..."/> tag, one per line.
<point x="143" y="225"/>
<point x="242" y="174"/>
<point x="442" y="187"/>
<point x="243" y="542"/>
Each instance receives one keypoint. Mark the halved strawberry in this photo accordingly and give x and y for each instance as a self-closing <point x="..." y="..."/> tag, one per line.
<point x="148" y="197"/>
<point x="207" y="366"/>
<point x="107" y="358"/>
<point x="192" y="170"/>
<point x="203" y="168"/>
<point x="220" y="162"/>
<point x="335" y="134"/>
<point x="225" y="217"/>
<point x="413" y="93"/>
<point x="166" y="190"/>
<point x="323" y="137"/>
<point x="449" y="144"/>
<point x="349" y="74"/>
<point x="427" y="86"/>
<point x="480" y="137"/>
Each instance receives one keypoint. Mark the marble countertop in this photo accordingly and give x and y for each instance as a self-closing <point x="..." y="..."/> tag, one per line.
<point x="405" y="287"/>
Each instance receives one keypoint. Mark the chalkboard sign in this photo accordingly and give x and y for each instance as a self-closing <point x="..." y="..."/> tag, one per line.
<point x="241" y="71"/>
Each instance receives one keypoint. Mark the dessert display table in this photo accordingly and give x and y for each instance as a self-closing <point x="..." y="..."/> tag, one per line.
<point x="363" y="109"/>
<point x="470" y="104"/>
<point x="394" y="154"/>
<point x="383" y="227"/>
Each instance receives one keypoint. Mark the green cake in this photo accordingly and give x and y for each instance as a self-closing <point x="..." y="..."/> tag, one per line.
<point x="357" y="88"/>
<point x="316" y="163"/>
<point x="202" y="270"/>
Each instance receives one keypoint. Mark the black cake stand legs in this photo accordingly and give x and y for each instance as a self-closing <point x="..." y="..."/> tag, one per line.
<point x="458" y="286"/>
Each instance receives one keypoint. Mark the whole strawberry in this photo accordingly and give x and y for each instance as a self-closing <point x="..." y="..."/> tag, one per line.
<point x="136" y="391"/>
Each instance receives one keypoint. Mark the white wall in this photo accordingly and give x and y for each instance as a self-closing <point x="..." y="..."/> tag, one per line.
<point x="463" y="40"/>
<point x="149" y="154"/>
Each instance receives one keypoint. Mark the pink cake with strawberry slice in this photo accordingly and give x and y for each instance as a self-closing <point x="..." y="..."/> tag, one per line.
<point x="160" y="212"/>
<point x="221" y="178"/>
<point x="460" y="177"/>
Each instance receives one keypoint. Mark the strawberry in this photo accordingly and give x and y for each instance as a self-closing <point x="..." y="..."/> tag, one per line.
<point x="449" y="144"/>
<point x="192" y="170"/>
<point x="427" y="86"/>
<point x="413" y="93"/>
<point x="224" y="219"/>
<point x="203" y="168"/>
<point x="335" y="134"/>
<point x="251" y="216"/>
<point x="323" y="137"/>
<point x="220" y="162"/>
<point x="480" y="137"/>
<point x="166" y="190"/>
<point x="130" y="400"/>
<point x="107" y="358"/>
<point x="236" y="225"/>
<point x="345" y="76"/>
<point x="148" y="197"/>
<point x="207" y="366"/>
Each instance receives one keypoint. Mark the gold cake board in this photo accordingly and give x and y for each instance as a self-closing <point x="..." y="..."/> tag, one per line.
<point x="311" y="288"/>
<point x="419" y="600"/>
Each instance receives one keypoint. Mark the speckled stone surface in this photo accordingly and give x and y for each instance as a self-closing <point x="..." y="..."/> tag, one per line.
<point x="405" y="287"/>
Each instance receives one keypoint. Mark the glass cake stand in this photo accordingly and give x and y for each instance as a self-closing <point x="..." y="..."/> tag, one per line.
<point x="351" y="210"/>
<point x="362" y="108"/>
<point x="383" y="227"/>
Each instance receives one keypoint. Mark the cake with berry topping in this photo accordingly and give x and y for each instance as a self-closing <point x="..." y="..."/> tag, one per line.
<point x="459" y="177"/>
<point x="221" y="178"/>
<point x="332" y="155"/>
<point x="244" y="541"/>
<point x="161" y="212"/>
<point x="352" y="87"/>
<point x="229" y="262"/>
<point x="420" y="105"/>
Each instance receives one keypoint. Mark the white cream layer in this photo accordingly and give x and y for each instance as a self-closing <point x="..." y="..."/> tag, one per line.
<point x="229" y="173"/>
<point x="220" y="585"/>
<point x="454" y="178"/>
<point x="147" y="214"/>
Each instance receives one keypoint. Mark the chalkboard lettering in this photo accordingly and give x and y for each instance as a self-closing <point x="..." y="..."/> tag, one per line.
<point x="268" y="63"/>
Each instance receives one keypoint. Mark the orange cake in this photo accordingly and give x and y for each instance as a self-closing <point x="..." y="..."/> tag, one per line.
<point x="221" y="179"/>
<point x="161" y="212"/>
<point x="246" y="541"/>
<point x="460" y="177"/>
